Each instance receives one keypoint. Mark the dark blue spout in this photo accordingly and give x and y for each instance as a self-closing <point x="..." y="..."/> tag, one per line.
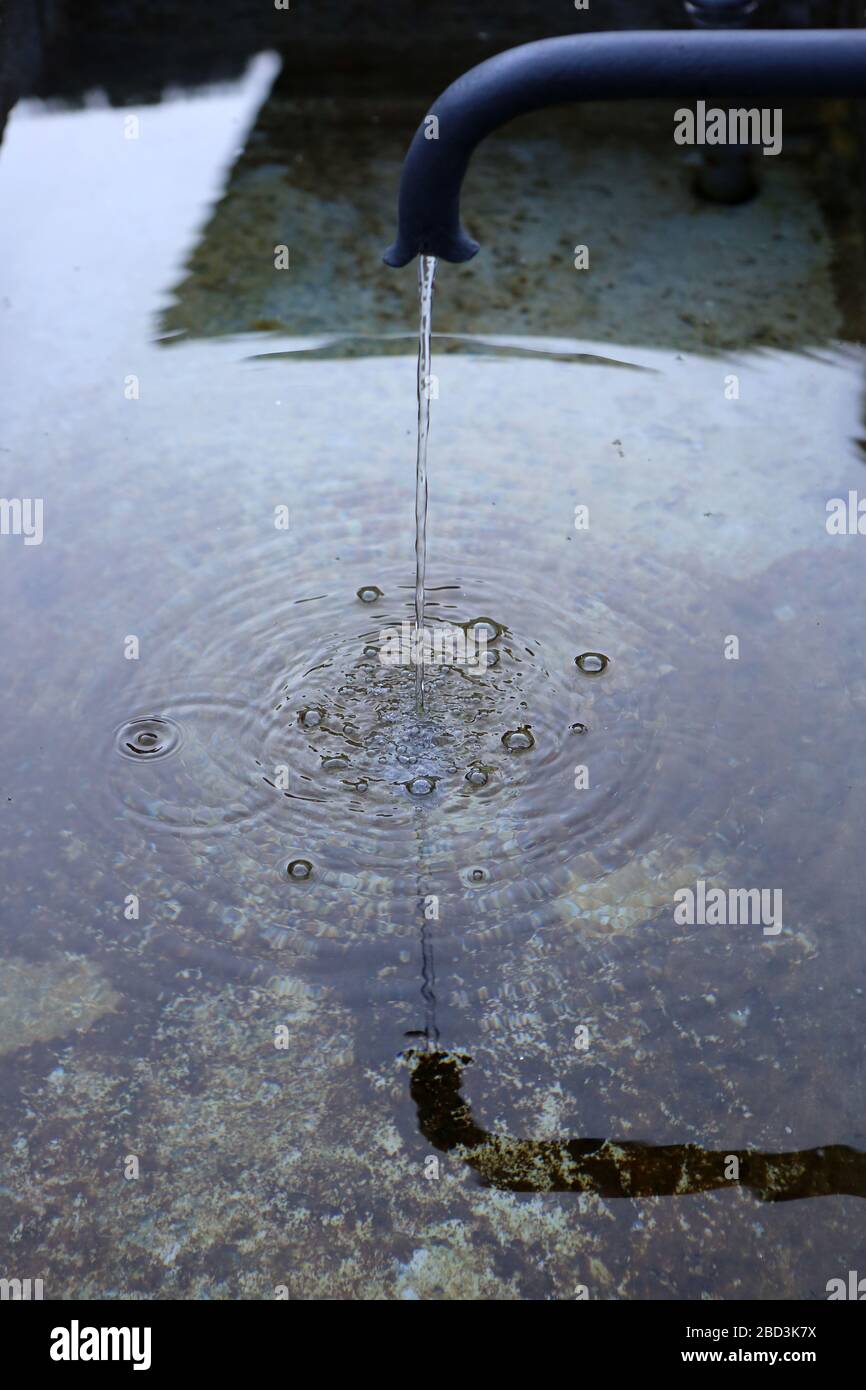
<point x="759" y="66"/>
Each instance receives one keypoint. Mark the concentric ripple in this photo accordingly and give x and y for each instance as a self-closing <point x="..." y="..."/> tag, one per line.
<point x="148" y="737"/>
<point x="312" y="809"/>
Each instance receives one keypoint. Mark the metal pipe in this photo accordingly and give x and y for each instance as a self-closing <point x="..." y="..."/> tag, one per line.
<point x="757" y="65"/>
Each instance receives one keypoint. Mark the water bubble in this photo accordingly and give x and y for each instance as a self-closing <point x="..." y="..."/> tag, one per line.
<point x="335" y="762"/>
<point x="477" y="777"/>
<point x="299" y="869"/>
<point x="474" y="875"/>
<point x="491" y="658"/>
<point x="371" y="650"/>
<point x="370" y="593"/>
<point x="518" y="740"/>
<point x="487" y="629"/>
<point x="148" y="738"/>
<point x="592" y="663"/>
<point x="420" y="786"/>
<point x="311" y="718"/>
<point x="580" y="728"/>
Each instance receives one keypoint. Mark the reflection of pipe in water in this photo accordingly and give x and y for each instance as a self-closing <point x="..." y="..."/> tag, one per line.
<point x="615" y="1168"/>
<point x="430" y="1031"/>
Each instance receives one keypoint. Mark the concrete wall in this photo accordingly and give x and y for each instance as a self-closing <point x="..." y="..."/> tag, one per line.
<point x="133" y="49"/>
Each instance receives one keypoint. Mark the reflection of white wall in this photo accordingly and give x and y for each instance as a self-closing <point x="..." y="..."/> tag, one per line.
<point x="91" y="217"/>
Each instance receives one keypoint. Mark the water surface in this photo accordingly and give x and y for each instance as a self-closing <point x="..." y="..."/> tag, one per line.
<point x="252" y="1034"/>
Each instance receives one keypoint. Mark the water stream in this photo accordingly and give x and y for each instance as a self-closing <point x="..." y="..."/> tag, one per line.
<point x="426" y="276"/>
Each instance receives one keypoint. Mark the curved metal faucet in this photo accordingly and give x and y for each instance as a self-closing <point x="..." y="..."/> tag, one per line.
<point x="758" y="65"/>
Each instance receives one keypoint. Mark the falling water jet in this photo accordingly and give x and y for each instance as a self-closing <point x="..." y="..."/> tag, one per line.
<point x="426" y="276"/>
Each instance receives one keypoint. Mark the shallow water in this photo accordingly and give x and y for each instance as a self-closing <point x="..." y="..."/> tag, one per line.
<point x="493" y="918"/>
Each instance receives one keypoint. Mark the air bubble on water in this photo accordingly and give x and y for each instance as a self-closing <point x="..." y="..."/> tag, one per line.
<point x="299" y="869"/>
<point x="477" y="777"/>
<point x="592" y="663"/>
<point x="580" y="728"/>
<point x="474" y="875"/>
<point x="311" y="718"/>
<point x="370" y="593"/>
<point x="371" y="650"/>
<point x="488" y="628"/>
<point x="518" y="740"/>
<point x="335" y="762"/>
<point x="491" y="658"/>
<point x="420" y="786"/>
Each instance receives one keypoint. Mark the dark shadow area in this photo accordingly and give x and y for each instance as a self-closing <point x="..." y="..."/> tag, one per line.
<point x="137" y="47"/>
<point x="134" y="49"/>
<point x="613" y="1167"/>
